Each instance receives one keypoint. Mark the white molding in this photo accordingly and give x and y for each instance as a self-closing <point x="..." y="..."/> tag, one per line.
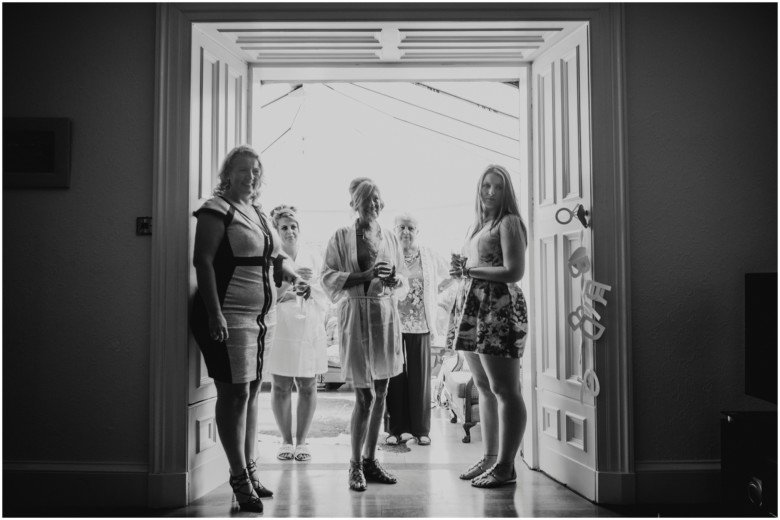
<point x="74" y="483"/>
<point x="303" y="73"/>
<point x="530" y="446"/>
<point x="611" y="251"/>
<point x="170" y="269"/>
<point x="73" y="466"/>
<point x="167" y="489"/>
<point x="615" y="488"/>
<point x="678" y="482"/>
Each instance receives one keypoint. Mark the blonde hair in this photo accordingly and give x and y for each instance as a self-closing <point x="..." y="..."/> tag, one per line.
<point x="227" y="166"/>
<point x="360" y="189"/>
<point x="508" y="201"/>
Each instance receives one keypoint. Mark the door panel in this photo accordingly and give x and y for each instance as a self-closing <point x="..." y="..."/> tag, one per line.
<point x="562" y="171"/>
<point x="218" y="116"/>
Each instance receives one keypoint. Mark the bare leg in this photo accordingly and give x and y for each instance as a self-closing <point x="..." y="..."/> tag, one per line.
<point x="250" y="442"/>
<point x="281" y="404"/>
<point x="307" y="403"/>
<point x="488" y="407"/>
<point x="375" y="419"/>
<point x="364" y="399"/>
<point x="504" y="376"/>
<point x="231" y="416"/>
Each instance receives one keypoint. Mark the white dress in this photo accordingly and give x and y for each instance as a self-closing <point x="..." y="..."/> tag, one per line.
<point x="369" y="324"/>
<point x="299" y="347"/>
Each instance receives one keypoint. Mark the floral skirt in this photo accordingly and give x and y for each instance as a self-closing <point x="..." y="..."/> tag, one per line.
<point x="489" y="318"/>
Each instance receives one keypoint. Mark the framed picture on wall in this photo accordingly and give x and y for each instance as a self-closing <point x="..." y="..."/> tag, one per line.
<point x="36" y="152"/>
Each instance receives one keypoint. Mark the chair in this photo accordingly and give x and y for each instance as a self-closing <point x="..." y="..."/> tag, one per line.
<point x="455" y="391"/>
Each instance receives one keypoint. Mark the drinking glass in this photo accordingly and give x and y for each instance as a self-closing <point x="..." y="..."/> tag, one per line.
<point x="387" y="290"/>
<point x="457" y="260"/>
<point x="300" y="301"/>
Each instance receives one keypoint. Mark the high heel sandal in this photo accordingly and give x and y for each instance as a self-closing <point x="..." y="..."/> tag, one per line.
<point x="244" y="493"/>
<point x="476" y="470"/>
<point x="261" y="490"/>
<point x="357" y="481"/>
<point x="490" y="480"/>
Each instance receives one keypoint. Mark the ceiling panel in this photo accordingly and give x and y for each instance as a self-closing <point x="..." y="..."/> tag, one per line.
<point x="344" y="43"/>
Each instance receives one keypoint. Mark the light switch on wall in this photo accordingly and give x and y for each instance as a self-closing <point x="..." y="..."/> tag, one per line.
<point x="143" y="225"/>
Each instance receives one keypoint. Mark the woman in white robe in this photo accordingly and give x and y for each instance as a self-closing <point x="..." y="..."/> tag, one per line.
<point x="299" y="350"/>
<point x="360" y="261"/>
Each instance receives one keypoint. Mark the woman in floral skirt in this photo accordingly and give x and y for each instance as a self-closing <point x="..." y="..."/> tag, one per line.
<point x="489" y="323"/>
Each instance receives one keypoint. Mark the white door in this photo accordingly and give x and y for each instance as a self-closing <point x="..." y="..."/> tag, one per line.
<point x="218" y="116"/>
<point x="561" y="173"/>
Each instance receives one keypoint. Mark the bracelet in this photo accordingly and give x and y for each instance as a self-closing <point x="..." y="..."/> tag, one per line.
<point x="467" y="272"/>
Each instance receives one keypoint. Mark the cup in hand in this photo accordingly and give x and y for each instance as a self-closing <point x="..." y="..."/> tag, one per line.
<point x="300" y="301"/>
<point x="386" y="289"/>
<point x="457" y="262"/>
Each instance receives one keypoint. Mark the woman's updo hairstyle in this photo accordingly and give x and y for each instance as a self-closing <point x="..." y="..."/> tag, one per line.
<point x="284" y="211"/>
<point x="360" y="190"/>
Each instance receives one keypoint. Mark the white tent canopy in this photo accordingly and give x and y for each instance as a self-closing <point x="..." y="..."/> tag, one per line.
<point x="425" y="145"/>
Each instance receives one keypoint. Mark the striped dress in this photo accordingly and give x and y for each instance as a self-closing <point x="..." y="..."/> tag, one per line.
<point x="247" y="296"/>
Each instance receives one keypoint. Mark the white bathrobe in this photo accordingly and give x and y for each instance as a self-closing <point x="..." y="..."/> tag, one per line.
<point x="300" y="348"/>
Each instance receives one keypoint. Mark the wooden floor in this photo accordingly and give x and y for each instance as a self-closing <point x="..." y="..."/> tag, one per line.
<point x="428" y="483"/>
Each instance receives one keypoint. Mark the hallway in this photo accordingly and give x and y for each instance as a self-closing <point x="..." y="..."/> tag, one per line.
<point x="428" y="483"/>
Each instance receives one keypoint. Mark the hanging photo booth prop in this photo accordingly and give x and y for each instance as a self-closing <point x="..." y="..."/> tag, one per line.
<point x="564" y="215"/>
<point x="585" y="318"/>
<point x="579" y="263"/>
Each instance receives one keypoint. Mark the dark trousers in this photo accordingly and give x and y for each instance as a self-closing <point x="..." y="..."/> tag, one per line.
<point x="409" y="393"/>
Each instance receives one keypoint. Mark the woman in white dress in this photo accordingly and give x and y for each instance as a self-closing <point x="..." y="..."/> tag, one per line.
<point x="299" y="350"/>
<point x="360" y="261"/>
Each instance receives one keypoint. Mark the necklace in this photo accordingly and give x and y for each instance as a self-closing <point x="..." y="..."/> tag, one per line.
<point x="409" y="260"/>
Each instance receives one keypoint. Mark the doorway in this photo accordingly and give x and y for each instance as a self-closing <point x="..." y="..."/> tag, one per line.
<point x="616" y="459"/>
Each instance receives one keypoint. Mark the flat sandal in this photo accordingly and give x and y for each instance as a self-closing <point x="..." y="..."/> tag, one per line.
<point x="477" y="469"/>
<point x="489" y="479"/>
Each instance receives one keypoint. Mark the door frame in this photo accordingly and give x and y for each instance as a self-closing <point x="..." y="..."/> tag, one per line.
<point x="168" y="474"/>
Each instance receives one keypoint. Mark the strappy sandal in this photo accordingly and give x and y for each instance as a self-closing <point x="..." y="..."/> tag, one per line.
<point x="244" y="493"/>
<point x="261" y="490"/>
<point x="286" y="452"/>
<point x="357" y="480"/>
<point x="475" y="470"/>
<point x="376" y="473"/>
<point x="392" y="440"/>
<point x="490" y="480"/>
<point x="302" y="453"/>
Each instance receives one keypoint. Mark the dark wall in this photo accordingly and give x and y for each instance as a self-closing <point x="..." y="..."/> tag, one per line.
<point x="702" y="157"/>
<point x="76" y="278"/>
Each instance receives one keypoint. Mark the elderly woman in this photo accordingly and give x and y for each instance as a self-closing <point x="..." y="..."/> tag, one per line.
<point x="238" y="264"/>
<point x="360" y="262"/>
<point x="299" y="351"/>
<point x="409" y="393"/>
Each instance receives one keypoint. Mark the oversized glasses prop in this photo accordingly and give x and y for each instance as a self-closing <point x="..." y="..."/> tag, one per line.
<point x="585" y="317"/>
<point x="565" y="215"/>
<point x="579" y="263"/>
